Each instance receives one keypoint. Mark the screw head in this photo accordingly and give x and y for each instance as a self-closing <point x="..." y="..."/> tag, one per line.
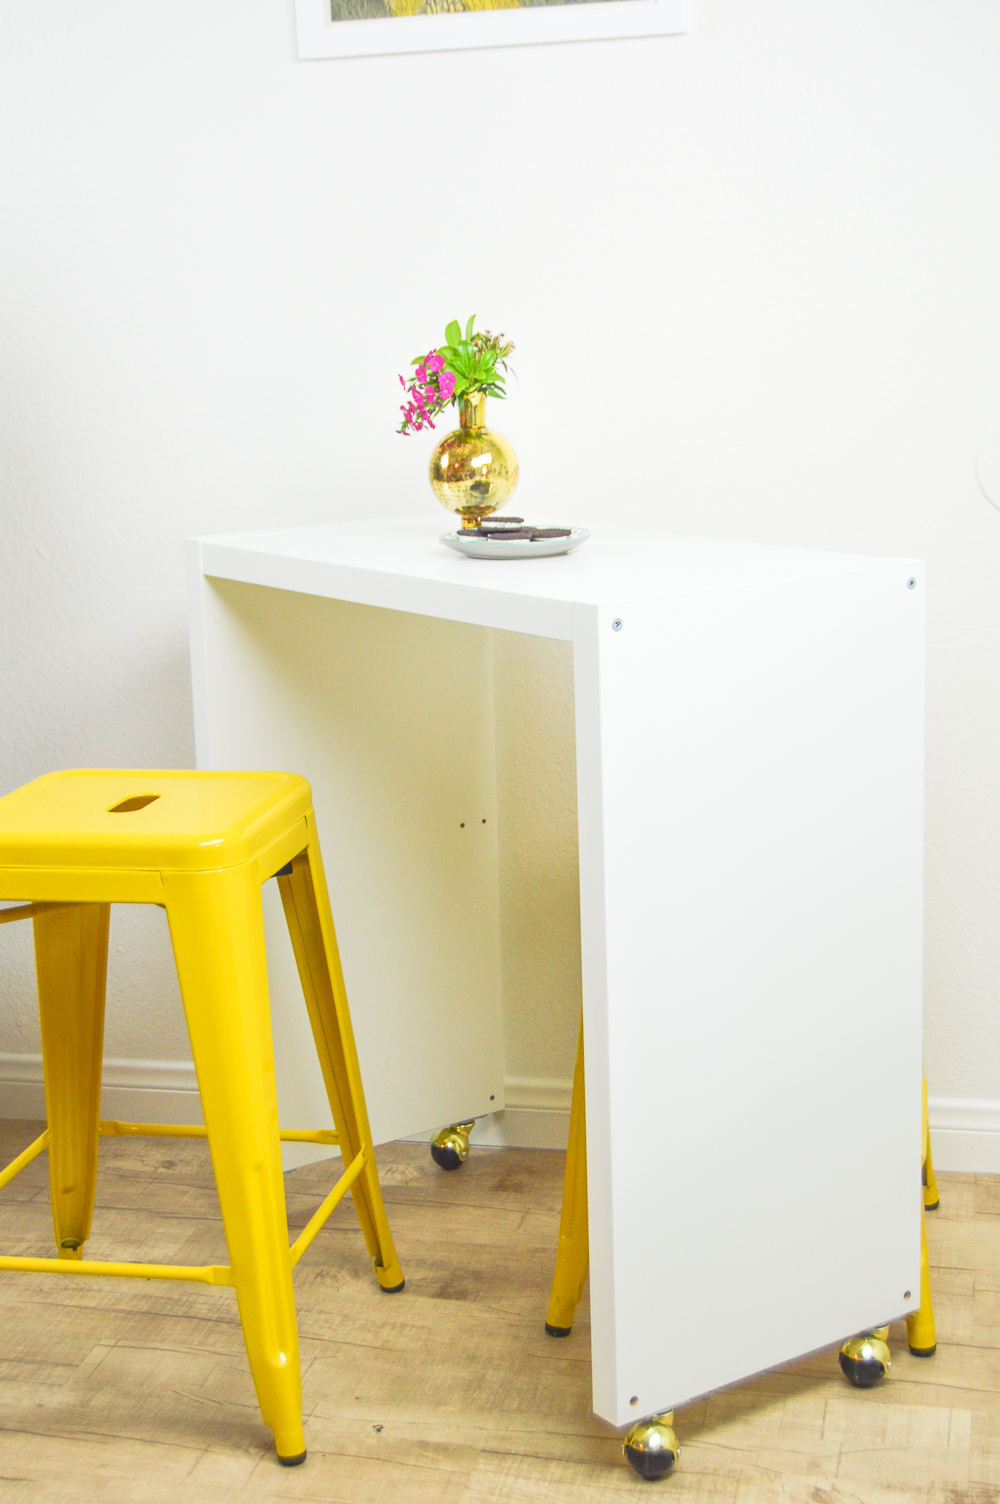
<point x="911" y="584"/>
<point x="616" y="625"/>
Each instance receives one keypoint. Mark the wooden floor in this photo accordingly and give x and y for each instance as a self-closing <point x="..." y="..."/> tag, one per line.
<point x="450" y="1393"/>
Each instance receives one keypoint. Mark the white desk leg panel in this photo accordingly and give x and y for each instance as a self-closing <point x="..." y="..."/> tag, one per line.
<point x="750" y="783"/>
<point x="390" y="717"/>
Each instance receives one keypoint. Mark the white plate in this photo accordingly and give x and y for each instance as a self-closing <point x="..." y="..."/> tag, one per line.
<point x="514" y="548"/>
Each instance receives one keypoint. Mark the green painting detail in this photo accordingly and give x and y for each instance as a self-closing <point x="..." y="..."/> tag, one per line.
<point x="370" y="10"/>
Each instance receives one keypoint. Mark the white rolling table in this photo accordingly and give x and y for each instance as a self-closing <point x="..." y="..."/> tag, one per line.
<point x="750" y="784"/>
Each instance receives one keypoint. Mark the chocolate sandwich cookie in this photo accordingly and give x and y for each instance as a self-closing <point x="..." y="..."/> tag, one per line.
<point x="514" y="528"/>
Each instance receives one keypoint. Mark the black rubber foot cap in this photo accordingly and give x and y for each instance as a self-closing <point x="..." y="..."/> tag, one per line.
<point x="392" y="1289"/>
<point x="650" y="1465"/>
<point x="291" y="1461"/>
<point x="558" y="1331"/>
<point x="924" y="1352"/>
<point x="933" y="1206"/>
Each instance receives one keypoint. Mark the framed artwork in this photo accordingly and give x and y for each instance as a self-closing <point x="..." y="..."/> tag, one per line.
<point x="360" y="28"/>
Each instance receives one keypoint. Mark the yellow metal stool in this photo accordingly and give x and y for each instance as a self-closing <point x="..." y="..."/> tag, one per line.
<point x="651" y="1445"/>
<point x="199" y="845"/>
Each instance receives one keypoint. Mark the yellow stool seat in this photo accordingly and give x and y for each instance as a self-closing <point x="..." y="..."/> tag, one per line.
<point x="177" y="819"/>
<point x="200" y="845"/>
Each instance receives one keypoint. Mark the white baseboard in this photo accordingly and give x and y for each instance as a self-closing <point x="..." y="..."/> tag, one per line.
<point x="133" y="1091"/>
<point x="965" y="1134"/>
<point x="536" y="1116"/>
<point x="538" y="1093"/>
<point x="166" y="1091"/>
<point x="965" y="1131"/>
<point x="522" y="1128"/>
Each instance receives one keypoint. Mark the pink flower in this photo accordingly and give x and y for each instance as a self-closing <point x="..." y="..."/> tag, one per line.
<point x="428" y="390"/>
<point x="425" y="415"/>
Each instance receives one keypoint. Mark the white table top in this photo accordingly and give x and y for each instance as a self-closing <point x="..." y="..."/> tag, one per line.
<point x="398" y="562"/>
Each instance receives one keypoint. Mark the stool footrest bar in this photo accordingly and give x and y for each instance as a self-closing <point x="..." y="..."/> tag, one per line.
<point x="28" y="911"/>
<point x="17" y="1165"/>
<point x="338" y="1193"/>
<point x="109" y="1128"/>
<point x="205" y="1274"/>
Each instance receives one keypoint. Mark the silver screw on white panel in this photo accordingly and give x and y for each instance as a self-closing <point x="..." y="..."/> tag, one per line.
<point x="616" y="625"/>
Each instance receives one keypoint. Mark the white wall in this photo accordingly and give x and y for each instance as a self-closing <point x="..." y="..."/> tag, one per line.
<point x="752" y="276"/>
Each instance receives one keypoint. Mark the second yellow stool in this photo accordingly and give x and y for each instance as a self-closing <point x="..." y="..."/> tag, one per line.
<point x="200" y="845"/>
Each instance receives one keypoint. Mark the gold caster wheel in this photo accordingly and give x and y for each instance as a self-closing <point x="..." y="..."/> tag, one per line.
<point x="866" y="1359"/>
<point x="650" y="1447"/>
<point x="450" y="1147"/>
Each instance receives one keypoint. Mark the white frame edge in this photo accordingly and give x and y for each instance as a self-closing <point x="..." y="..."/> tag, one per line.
<point x="320" y="37"/>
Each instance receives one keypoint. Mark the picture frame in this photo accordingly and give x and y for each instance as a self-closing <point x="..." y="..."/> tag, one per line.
<point x="320" y="36"/>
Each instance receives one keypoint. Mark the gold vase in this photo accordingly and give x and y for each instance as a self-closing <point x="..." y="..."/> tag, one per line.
<point x="473" y="471"/>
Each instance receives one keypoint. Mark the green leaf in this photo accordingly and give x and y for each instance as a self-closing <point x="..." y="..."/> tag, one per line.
<point x="468" y="327"/>
<point x="453" y="333"/>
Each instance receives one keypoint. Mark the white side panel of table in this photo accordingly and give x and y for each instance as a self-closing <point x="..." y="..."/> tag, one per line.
<point x="390" y="717"/>
<point x="750" y="794"/>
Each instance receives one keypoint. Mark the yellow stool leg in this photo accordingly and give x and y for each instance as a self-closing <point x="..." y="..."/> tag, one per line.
<point x="573" y="1252"/>
<point x="920" y="1332"/>
<point x="310" y="924"/>
<point x="216" y="925"/>
<point x="71" y="960"/>
<point x="931" y="1198"/>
